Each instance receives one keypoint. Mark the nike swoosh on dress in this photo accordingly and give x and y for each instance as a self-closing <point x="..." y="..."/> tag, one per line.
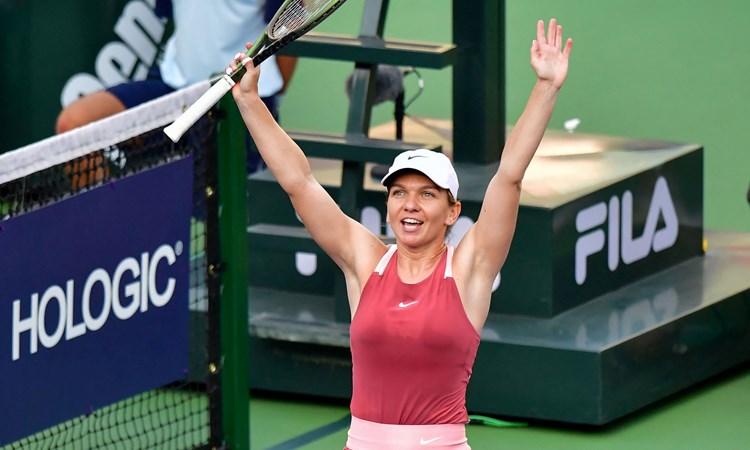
<point x="408" y="304"/>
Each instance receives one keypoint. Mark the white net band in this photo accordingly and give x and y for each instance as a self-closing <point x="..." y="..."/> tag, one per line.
<point x="101" y="134"/>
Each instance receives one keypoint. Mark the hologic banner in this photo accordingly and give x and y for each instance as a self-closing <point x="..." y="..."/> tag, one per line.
<point x="94" y="299"/>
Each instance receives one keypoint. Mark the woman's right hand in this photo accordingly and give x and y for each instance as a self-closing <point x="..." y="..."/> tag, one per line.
<point x="248" y="84"/>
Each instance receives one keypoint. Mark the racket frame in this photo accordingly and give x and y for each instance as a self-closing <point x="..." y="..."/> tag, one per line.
<point x="263" y="48"/>
<point x="266" y="46"/>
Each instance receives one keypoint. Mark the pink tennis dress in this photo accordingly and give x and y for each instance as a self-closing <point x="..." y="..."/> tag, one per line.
<point x="413" y="348"/>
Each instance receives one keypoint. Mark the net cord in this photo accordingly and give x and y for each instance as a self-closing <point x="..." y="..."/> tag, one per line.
<point x="101" y="134"/>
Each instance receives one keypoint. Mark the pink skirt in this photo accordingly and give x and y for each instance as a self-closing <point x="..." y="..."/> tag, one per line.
<point x="364" y="435"/>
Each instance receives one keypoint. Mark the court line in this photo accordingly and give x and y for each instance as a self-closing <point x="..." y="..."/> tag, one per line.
<point x="314" y="435"/>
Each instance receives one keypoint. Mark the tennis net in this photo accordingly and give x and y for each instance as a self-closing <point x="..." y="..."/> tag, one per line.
<point x="78" y="332"/>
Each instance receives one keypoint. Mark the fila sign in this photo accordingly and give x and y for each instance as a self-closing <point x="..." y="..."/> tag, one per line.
<point x="616" y="217"/>
<point x="604" y="239"/>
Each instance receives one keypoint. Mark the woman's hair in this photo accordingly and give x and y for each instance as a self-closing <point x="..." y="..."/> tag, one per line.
<point x="451" y="200"/>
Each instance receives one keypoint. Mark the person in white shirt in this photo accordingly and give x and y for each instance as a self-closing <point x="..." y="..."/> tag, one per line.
<point x="205" y="39"/>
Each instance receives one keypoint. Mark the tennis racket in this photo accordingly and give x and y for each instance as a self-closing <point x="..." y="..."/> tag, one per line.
<point x="293" y="19"/>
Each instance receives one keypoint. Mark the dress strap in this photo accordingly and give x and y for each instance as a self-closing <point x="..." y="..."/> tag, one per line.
<point x="380" y="268"/>
<point x="449" y="263"/>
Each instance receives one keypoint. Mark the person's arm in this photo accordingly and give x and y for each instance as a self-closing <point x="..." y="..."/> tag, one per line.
<point x="345" y="240"/>
<point x="287" y="65"/>
<point x="163" y="9"/>
<point x="485" y="247"/>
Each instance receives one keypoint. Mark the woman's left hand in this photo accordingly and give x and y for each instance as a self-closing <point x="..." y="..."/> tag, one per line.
<point x="548" y="56"/>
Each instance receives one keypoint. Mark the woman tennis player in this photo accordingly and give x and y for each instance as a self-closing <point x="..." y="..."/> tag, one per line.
<point x="418" y="306"/>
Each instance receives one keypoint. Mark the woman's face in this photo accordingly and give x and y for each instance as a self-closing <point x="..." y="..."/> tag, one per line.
<point x="419" y="211"/>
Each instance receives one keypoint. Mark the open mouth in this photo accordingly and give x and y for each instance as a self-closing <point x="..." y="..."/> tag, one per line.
<point x="410" y="224"/>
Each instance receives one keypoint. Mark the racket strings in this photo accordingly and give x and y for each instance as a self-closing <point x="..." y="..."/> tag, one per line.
<point x="297" y="14"/>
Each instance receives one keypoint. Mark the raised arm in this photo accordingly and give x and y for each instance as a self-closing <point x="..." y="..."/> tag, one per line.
<point x="550" y="62"/>
<point x="345" y="240"/>
<point x="487" y="243"/>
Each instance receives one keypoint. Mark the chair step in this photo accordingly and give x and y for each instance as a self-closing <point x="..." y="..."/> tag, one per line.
<point x="268" y="319"/>
<point x="264" y="236"/>
<point x="353" y="147"/>
<point x="373" y="50"/>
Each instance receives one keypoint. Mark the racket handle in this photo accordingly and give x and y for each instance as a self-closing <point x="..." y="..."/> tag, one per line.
<point x="199" y="108"/>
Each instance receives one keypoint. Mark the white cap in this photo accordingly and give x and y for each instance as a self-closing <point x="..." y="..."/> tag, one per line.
<point x="436" y="166"/>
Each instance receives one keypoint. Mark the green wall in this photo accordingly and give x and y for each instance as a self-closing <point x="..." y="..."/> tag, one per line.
<point x="667" y="70"/>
